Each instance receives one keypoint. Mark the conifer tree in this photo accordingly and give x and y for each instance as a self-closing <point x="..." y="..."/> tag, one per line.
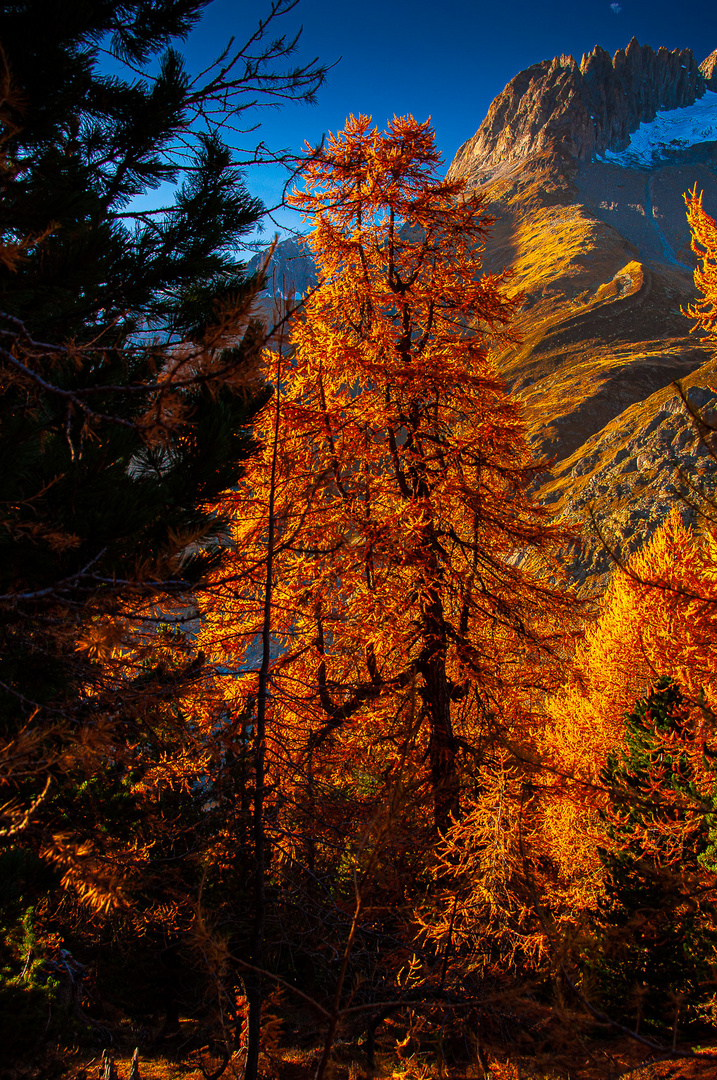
<point x="129" y="377"/>
<point x="703" y="230"/>
<point x="657" y="916"/>
<point x="401" y="497"/>
<point x="393" y="559"/>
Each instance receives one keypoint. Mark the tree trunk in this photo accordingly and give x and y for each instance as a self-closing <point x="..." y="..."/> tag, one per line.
<point x="107" y="1066"/>
<point x="253" y="980"/>
<point x="437" y="709"/>
<point x="134" y="1066"/>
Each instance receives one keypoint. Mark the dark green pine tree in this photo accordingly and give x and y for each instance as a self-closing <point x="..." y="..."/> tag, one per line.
<point x="129" y="376"/>
<point x="657" y="924"/>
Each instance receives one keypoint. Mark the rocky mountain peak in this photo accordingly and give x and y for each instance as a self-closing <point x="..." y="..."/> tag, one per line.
<point x="583" y="110"/>
<point x="708" y="71"/>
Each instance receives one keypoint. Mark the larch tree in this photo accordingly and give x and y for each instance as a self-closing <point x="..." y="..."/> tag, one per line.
<point x="404" y="528"/>
<point x="413" y="616"/>
<point x="703" y="229"/>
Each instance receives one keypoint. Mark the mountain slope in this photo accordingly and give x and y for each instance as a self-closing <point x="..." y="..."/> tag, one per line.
<point x="589" y="214"/>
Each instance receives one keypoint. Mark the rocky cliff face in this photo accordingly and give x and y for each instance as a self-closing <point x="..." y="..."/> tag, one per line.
<point x="290" y="272"/>
<point x="600" y="250"/>
<point x="582" y="110"/>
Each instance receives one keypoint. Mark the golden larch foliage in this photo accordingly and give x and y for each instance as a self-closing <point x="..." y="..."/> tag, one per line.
<point x="658" y="618"/>
<point x="704" y="244"/>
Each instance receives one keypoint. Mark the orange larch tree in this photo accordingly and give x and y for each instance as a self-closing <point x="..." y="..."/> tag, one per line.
<point x="416" y="611"/>
<point x="704" y="244"/>
<point x="404" y="531"/>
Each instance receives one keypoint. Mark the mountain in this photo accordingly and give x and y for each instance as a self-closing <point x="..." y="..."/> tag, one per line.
<point x="585" y="109"/>
<point x="583" y="168"/>
<point x="290" y="271"/>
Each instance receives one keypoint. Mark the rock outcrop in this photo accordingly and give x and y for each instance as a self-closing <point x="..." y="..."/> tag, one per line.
<point x="582" y="110"/>
<point x="291" y="271"/>
<point x="627" y="478"/>
<point x="708" y="71"/>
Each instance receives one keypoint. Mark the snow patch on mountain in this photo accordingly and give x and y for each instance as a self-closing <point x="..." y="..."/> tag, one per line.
<point x="655" y="142"/>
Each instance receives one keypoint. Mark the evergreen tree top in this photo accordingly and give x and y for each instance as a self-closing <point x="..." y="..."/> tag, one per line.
<point x="80" y="145"/>
<point x="130" y="354"/>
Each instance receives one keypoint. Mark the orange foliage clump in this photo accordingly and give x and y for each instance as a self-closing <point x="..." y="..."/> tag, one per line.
<point x="704" y="245"/>
<point x="659" y="618"/>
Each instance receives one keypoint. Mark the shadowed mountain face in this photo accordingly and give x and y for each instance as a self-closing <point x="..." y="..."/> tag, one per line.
<point x="290" y="271"/>
<point x="585" y="180"/>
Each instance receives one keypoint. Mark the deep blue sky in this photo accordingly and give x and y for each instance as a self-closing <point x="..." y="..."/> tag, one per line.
<point x="444" y="59"/>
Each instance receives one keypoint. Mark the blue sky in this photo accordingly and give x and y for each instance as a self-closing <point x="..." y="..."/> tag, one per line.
<point x="446" y="59"/>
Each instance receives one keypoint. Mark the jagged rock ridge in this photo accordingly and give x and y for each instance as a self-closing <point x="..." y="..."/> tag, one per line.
<point x="291" y="270"/>
<point x="583" y="109"/>
<point x="627" y="478"/>
<point x="708" y="69"/>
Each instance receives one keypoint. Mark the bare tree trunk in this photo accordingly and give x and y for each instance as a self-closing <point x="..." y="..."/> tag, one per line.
<point x="253" y="980"/>
<point x="436" y="691"/>
<point x="437" y="708"/>
<point x="336" y="1008"/>
<point x="393" y="807"/>
<point x="107" y="1066"/>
